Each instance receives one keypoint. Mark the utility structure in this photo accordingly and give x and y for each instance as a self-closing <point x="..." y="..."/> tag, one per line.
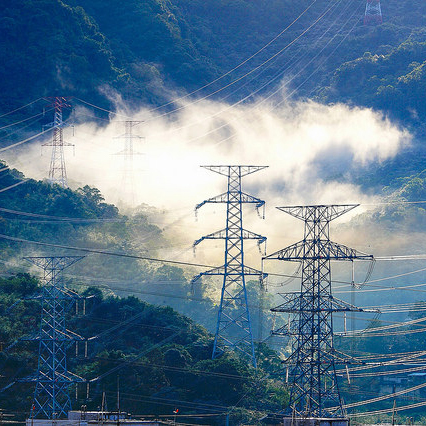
<point x="128" y="154"/>
<point x="57" y="170"/>
<point x="311" y="366"/>
<point x="373" y="13"/>
<point x="233" y="329"/>
<point x="51" y="397"/>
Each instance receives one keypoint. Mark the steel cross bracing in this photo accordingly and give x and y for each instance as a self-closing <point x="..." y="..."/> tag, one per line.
<point x="311" y="366"/>
<point x="233" y="330"/>
<point x="373" y="12"/>
<point x="57" y="170"/>
<point x="51" y="396"/>
<point x="128" y="154"/>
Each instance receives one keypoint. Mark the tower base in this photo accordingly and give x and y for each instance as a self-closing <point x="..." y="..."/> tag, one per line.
<point x="314" y="421"/>
<point x="281" y="420"/>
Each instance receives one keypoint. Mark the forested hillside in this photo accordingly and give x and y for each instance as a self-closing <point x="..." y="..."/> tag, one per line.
<point x="142" y="50"/>
<point x="121" y="56"/>
<point x="162" y="359"/>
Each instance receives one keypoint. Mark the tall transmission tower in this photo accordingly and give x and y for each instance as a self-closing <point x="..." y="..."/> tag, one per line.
<point x="373" y="13"/>
<point x="57" y="170"/>
<point x="233" y="329"/>
<point x="51" y="396"/>
<point x="128" y="154"/>
<point x="311" y="366"/>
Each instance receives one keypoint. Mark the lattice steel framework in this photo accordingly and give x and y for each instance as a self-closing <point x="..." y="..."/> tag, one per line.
<point x="373" y="13"/>
<point x="314" y="390"/>
<point x="51" y="396"/>
<point x="233" y="330"/>
<point x="128" y="154"/>
<point x="57" y="170"/>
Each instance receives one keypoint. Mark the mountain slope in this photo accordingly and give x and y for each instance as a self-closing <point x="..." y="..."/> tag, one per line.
<point x="163" y="360"/>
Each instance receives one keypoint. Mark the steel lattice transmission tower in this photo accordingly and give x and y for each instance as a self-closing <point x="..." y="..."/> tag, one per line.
<point x="51" y="396"/>
<point x="57" y="170"/>
<point x="128" y="154"/>
<point x="373" y="13"/>
<point x="233" y="330"/>
<point x="314" y="390"/>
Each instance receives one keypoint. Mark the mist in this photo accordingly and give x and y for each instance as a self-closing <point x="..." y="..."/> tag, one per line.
<point x="304" y="145"/>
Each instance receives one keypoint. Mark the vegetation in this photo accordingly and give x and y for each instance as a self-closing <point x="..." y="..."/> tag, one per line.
<point x="142" y="51"/>
<point x="163" y="359"/>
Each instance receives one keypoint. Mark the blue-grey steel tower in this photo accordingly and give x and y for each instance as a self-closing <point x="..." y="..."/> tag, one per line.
<point x="233" y="330"/>
<point x="314" y="388"/>
<point x="51" y="396"/>
<point x="57" y="170"/>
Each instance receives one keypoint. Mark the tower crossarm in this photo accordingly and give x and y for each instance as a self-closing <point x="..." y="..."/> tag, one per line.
<point x="318" y="213"/>
<point x="50" y="143"/>
<point x="245" y="235"/>
<point x="58" y="263"/>
<point x="220" y="270"/>
<point x="59" y="294"/>
<point x="66" y="377"/>
<point x="302" y="302"/>
<point x="328" y="251"/>
<point x="249" y="199"/>
<point x="66" y="335"/>
<point x="221" y="198"/>
<point x="224" y="198"/>
<point x="227" y="170"/>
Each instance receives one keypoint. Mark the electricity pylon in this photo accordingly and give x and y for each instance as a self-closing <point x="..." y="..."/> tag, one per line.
<point x="128" y="154"/>
<point x="51" y="396"/>
<point x="373" y="13"/>
<point x="233" y="329"/>
<point x="57" y="170"/>
<point x="314" y="391"/>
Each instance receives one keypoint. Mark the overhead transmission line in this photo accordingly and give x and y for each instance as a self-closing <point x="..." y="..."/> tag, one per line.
<point x="26" y="140"/>
<point x="18" y="130"/>
<point x="280" y="73"/>
<point x="322" y="15"/>
<point x="23" y="120"/>
<point x="64" y="218"/>
<point x="324" y="60"/>
<point x="22" y="107"/>
<point x="387" y="373"/>
<point x="384" y="397"/>
<point x="381" y="328"/>
<point x="221" y="76"/>
<point x="238" y="79"/>
<point x="286" y="66"/>
<point x="389" y="410"/>
<point x="313" y="58"/>
<point x="80" y="219"/>
<point x="14" y="185"/>
<point x="249" y="95"/>
<point x="109" y="253"/>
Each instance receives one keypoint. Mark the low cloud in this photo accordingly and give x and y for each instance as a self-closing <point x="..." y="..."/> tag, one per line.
<point x="308" y="147"/>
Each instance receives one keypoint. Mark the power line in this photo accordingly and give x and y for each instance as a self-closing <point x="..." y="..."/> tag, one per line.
<point x="240" y="78"/>
<point x="22" y="107"/>
<point x="21" y="121"/>
<point x="390" y="410"/>
<point x="322" y="15"/>
<point x="14" y="185"/>
<point x="61" y="218"/>
<point x="251" y="94"/>
<point x="88" y="250"/>
<point x="109" y="253"/>
<point x="216" y="79"/>
<point x="25" y="140"/>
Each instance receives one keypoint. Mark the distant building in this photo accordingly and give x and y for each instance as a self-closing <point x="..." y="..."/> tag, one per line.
<point x="87" y="418"/>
